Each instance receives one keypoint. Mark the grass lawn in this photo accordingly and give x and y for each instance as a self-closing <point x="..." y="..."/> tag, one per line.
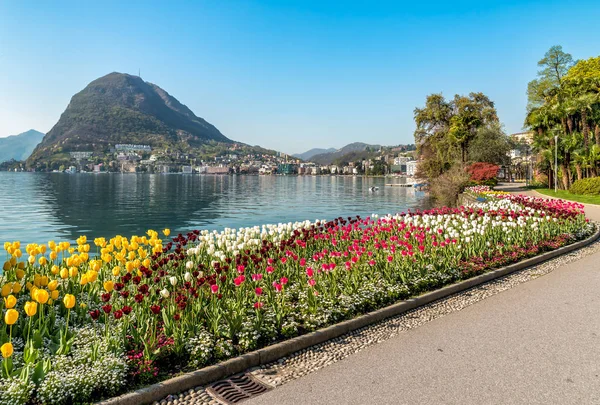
<point x="565" y="195"/>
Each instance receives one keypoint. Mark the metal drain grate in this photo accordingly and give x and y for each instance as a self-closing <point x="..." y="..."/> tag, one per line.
<point x="237" y="389"/>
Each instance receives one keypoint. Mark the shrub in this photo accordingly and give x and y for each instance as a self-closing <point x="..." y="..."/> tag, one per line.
<point x="482" y="172"/>
<point x="589" y="186"/>
<point x="446" y="188"/>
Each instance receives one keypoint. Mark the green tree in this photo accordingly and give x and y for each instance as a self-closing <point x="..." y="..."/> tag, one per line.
<point x="491" y="145"/>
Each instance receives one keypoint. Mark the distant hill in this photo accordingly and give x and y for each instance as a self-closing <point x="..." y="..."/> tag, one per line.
<point x="331" y="157"/>
<point x="19" y="147"/>
<point x="310" y="153"/>
<point x="121" y="108"/>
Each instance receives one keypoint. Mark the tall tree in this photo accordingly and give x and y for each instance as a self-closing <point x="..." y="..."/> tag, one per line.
<point x="445" y="129"/>
<point x="470" y="114"/>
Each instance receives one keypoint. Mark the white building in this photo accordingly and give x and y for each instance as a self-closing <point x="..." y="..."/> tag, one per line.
<point x="411" y="168"/>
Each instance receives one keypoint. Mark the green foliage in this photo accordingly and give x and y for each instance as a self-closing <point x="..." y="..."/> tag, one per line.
<point x="564" y="102"/>
<point x="589" y="186"/>
<point x="446" y="129"/>
<point x="490" y="145"/>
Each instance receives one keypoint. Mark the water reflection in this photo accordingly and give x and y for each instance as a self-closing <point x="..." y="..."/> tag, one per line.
<point x="37" y="207"/>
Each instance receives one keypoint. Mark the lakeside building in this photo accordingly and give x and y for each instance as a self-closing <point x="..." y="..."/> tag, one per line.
<point x="287" y="168"/>
<point x="132" y="148"/>
<point x="80" y="155"/>
<point x="411" y="168"/>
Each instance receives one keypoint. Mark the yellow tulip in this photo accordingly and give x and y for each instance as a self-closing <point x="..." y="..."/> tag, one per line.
<point x="147" y="263"/>
<point x="20" y="274"/>
<point x="29" y="286"/>
<point x="17" y="253"/>
<point x="64" y="273"/>
<point x="21" y="265"/>
<point x="166" y="231"/>
<point x="7" y="245"/>
<point x="54" y="294"/>
<point x="11" y="316"/>
<point x="53" y="255"/>
<point x="16" y="288"/>
<point x="6" y="266"/>
<point x="41" y="296"/>
<point x="44" y="281"/>
<point x="69" y="301"/>
<point x="31" y="260"/>
<point x="6" y="289"/>
<point x="52" y="285"/>
<point x="73" y="272"/>
<point x="31" y="308"/>
<point x="92" y="276"/>
<point x="52" y="245"/>
<point x="82" y="305"/>
<point x="109" y="286"/>
<point x="84" y="279"/>
<point x="43" y="261"/>
<point x="55" y="269"/>
<point x="10" y="301"/>
<point x="116" y="271"/>
<point x="7" y="350"/>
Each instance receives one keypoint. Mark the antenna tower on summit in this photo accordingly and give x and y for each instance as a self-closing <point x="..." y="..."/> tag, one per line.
<point x="139" y="73"/>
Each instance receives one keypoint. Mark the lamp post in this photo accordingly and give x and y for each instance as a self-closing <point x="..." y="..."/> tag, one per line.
<point x="555" y="163"/>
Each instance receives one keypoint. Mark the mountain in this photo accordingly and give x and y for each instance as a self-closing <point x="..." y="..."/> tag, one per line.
<point x="310" y="153"/>
<point x="123" y="109"/>
<point x="19" y="147"/>
<point x="353" y="148"/>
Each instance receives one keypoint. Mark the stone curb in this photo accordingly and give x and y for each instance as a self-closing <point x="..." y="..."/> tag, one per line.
<point x="236" y="365"/>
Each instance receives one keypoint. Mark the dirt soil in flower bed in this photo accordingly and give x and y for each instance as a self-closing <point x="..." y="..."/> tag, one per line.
<point x="147" y="310"/>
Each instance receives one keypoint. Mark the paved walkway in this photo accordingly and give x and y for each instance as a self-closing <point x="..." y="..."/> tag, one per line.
<point x="537" y="343"/>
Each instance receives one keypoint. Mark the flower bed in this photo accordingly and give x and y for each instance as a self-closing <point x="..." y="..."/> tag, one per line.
<point x="78" y="326"/>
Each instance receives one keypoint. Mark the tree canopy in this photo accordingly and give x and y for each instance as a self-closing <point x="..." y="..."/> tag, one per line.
<point x="564" y="102"/>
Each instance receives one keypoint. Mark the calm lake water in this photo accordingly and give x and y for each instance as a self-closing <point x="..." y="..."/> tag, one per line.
<point x="38" y="207"/>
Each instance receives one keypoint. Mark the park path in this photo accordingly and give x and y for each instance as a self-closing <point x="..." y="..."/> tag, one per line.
<point x="536" y="343"/>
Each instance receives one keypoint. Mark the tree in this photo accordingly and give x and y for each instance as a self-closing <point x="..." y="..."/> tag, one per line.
<point x="490" y="145"/>
<point x="470" y="113"/>
<point x="446" y="128"/>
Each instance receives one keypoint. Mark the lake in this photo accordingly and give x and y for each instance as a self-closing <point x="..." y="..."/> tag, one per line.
<point x="38" y="207"/>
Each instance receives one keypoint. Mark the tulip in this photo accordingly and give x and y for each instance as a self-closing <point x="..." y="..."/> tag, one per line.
<point x="31" y="308"/>
<point x="11" y="316"/>
<point x="54" y="294"/>
<point x="52" y="285"/>
<point x="173" y="281"/>
<point x="69" y="301"/>
<point x="41" y="296"/>
<point x="164" y="293"/>
<point x="166" y="231"/>
<point x="7" y="350"/>
<point x="109" y="286"/>
<point x="6" y="289"/>
<point x="10" y="301"/>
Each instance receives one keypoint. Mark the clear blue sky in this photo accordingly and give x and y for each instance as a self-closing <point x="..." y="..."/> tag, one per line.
<point x="289" y="75"/>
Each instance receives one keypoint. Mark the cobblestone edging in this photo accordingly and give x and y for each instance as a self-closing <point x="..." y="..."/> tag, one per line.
<point x="310" y="352"/>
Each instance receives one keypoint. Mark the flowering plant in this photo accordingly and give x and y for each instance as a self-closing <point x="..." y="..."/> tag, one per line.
<point x="155" y="307"/>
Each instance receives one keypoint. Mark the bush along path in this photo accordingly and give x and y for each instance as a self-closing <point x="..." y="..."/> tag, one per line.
<point x="79" y="326"/>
